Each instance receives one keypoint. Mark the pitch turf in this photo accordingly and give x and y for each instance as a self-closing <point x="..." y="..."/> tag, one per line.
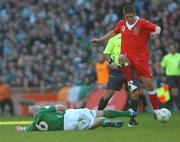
<point x="149" y="130"/>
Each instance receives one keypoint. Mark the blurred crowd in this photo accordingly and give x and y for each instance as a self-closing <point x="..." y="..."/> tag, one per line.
<point x="46" y="42"/>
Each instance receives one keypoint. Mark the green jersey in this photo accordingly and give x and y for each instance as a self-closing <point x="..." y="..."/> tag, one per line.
<point x="171" y="64"/>
<point x="113" y="48"/>
<point x="47" y="119"/>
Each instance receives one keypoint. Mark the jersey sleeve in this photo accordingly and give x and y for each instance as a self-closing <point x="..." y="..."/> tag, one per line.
<point x="117" y="27"/>
<point x="163" y="62"/>
<point x="148" y="25"/>
<point x="178" y="59"/>
<point x="109" y="47"/>
<point x="31" y="127"/>
<point x="116" y="61"/>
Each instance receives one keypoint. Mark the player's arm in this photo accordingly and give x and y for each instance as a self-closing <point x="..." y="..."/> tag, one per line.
<point x="151" y="27"/>
<point x="103" y="38"/>
<point x="29" y="128"/>
<point x="178" y="59"/>
<point x="107" y="36"/>
<point x="163" y="62"/>
<point x="157" y="31"/>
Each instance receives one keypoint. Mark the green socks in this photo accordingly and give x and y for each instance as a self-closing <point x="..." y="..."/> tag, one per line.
<point x="103" y="122"/>
<point x="111" y="123"/>
<point x="134" y="104"/>
<point x="115" y="113"/>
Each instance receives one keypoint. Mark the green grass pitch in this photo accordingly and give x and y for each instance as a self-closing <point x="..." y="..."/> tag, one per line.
<point x="149" y="130"/>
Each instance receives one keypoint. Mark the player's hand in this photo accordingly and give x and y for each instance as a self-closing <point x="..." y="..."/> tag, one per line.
<point x="113" y="66"/>
<point x="95" y="41"/>
<point x="154" y="34"/>
<point x="19" y="129"/>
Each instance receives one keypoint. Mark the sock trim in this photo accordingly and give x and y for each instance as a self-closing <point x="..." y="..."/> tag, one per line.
<point x="152" y="92"/>
<point x="126" y="64"/>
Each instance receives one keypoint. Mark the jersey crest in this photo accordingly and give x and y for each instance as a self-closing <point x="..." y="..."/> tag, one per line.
<point x="122" y="29"/>
<point x="136" y="30"/>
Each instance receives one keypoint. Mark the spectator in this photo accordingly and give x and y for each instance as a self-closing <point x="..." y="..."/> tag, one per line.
<point x="39" y="36"/>
<point x="102" y="70"/>
<point x="5" y="99"/>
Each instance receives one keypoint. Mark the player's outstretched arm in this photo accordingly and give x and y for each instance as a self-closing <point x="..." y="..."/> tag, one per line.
<point x="102" y="39"/>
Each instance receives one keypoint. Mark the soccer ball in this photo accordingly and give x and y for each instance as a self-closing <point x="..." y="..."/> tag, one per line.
<point x="163" y="115"/>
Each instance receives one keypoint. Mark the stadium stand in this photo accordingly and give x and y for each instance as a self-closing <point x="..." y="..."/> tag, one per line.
<point x="44" y="43"/>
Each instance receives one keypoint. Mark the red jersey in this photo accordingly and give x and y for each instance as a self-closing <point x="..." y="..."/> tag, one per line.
<point x="134" y="40"/>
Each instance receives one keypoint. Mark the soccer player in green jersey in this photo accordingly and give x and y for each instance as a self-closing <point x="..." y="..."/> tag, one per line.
<point x="58" y="117"/>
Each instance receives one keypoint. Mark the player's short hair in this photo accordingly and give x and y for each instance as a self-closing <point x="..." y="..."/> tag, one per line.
<point x="34" y="109"/>
<point x="129" y="9"/>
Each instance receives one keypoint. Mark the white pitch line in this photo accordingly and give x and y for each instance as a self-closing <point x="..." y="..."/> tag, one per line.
<point x="15" y="122"/>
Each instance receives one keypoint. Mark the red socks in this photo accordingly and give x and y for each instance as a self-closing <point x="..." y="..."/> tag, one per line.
<point x="126" y="72"/>
<point x="153" y="99"/>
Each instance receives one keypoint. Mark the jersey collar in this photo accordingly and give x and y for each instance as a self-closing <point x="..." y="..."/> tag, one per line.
<point x="131" y="26"/>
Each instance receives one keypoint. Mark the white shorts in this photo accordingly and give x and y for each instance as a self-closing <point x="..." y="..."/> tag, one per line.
<point x="79" y="119"/>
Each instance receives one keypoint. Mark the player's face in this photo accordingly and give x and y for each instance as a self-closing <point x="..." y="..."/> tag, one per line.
<point x="172" y="49"/>
<point x="130" y="18"/>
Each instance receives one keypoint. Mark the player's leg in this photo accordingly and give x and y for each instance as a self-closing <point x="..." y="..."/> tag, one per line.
<point x="133" y="107"/>
<point x="151" y="91"/>
<point x="142" y="70"/>
<point x="103" y="122"/>
<point x="134" y="102"/>
<point x="115" y="113"/>
<point x="84" y="119"/>
<point x="115" y="82"/>
<point x="11" y="107"/>
<point x="123" y="60"/>
<point x="173" y="88"/>
<point x="2" y="105"/>
<point x="177" y="98"/>
<point x="78" y="119"/>
<point x="134" y="97"/>
<point x="105" y="99"/>
<point x="1" y="108"/>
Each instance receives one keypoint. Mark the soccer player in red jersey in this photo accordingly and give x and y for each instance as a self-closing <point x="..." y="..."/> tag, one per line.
<point x="135" y="33"/>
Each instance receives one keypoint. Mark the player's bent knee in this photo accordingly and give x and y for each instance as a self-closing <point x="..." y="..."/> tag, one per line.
<point x="123" y="59"/>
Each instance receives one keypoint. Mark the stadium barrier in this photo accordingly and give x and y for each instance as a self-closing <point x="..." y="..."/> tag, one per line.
<point x="117" y="102"/>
